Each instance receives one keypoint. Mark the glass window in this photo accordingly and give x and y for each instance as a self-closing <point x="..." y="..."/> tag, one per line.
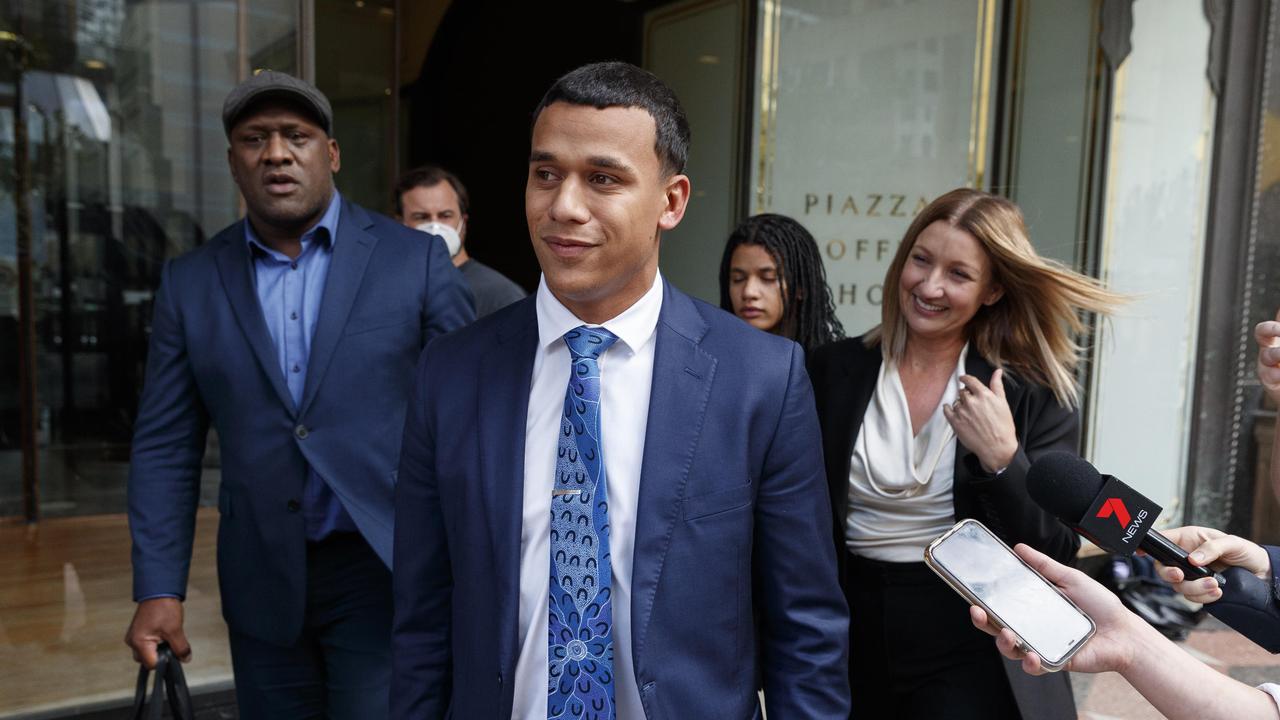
<point x="864" y="112"/>
<point x="358" y="81"/>
<point x="126" y="169"/>
<point x="118" y="104"/>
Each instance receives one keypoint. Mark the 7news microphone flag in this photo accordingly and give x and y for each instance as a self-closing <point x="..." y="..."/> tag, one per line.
<point x="1119" y="519"/>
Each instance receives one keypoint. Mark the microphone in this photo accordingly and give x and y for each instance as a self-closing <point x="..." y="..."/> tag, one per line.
<point x="1118" y="519"/>
<point x="1113" y="515"/>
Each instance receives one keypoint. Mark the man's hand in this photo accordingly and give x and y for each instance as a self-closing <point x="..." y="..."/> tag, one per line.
<point x="1111" y="647"/>
<point x="155" y="621"/>
<point x="1268" y="337"/>
<point x="1267" y="334"/>
<point x="1216" y="550"/>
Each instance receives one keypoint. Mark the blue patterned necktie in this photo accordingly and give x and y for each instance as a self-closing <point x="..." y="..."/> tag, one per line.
<point x="580" y="620"/>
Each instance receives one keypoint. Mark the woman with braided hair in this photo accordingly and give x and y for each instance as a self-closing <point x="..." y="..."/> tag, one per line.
<point x="772" y="277"/>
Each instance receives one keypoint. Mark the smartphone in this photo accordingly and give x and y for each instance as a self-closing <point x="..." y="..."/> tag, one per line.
<point x="987" y="573"/>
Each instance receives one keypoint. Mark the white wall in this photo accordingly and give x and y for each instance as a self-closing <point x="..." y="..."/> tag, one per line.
<point x="696" y="48"/>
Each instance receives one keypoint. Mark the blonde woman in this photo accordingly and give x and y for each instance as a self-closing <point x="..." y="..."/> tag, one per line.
<point x="932" y="417"/>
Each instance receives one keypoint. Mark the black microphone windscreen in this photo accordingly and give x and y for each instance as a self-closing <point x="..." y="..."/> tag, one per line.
<point x="1064" y="484"/>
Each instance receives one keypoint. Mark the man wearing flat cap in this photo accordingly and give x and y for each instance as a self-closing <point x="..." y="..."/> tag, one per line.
<point x="294" y="333"/>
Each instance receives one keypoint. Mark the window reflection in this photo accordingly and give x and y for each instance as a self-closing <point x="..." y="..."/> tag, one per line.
<point x="122" y="108"/>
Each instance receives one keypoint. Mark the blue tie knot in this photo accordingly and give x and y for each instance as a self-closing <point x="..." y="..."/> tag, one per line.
<point x="588" y="343"/>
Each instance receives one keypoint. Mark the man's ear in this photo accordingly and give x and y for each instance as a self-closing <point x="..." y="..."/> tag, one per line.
<point x="232" y="166"/>
<point x="677" y="197"/>
<point x="335" y="156"/>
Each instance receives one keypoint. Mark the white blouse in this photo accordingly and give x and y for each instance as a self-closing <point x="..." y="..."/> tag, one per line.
<point x="1273" y="690"/>
<point x="900" y="484"/>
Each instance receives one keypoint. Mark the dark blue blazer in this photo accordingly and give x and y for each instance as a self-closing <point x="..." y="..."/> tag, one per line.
<point x="734" y="576"/>
<point x="212" y="360"/>
<point x="1251" y="606"/>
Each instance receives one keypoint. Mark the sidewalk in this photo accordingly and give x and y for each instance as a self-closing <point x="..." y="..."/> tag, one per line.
<point x="65" y="602"/>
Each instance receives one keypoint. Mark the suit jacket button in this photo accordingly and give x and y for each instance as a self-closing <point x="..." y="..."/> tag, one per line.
<point x="294" y="506"/>
<point x="499" y="681"/>
<point x="301" y="432"/>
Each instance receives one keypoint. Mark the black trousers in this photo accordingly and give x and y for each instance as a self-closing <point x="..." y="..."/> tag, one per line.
<point x="341" y="666"/>
<point x="913" y="652"/>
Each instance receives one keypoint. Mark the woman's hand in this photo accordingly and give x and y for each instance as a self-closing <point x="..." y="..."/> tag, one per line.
<point x="1112" y="646"/>
<point x="981" y="419"/>
<point x="1216" y="550"/>
<point x="1178" y="685"/>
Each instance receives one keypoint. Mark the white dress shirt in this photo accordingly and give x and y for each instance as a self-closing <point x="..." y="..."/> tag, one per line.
<point x="626" y="377"/>
<point x="899" y="483"/>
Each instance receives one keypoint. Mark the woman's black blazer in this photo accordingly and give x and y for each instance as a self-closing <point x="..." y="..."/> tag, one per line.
<point x="844" y="377"/>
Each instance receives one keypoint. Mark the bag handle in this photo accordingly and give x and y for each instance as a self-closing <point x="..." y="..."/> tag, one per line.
<point x="170" y="684"/>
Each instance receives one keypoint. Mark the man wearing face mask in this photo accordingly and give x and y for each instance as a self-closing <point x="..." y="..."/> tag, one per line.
<point x="433" y="200"/>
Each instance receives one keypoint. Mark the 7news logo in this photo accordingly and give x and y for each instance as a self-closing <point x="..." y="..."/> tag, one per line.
<point x="1115" y="507"/>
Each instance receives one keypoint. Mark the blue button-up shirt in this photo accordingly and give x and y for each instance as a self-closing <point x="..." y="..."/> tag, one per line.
<point x="290" y="291"/>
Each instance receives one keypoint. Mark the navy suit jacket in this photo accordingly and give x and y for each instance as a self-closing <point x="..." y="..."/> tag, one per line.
<point x="212" y="360"/>
<point x="734" y="576"/>
<point x="1251" y="606"/>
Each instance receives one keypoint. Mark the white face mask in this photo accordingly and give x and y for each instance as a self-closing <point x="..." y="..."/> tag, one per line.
<point x="452" y="238"/>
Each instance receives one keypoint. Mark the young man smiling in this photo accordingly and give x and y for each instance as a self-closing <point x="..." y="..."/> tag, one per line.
<point x="294" y="332"/>
<point x="627" y="482"/>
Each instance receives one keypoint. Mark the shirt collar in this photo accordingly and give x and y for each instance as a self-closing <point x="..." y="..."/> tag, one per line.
<point x="328" y="221"/>
<point x="633" y="326"/>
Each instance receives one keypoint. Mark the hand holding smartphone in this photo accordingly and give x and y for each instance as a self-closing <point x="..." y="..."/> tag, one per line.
<point x="987" y="573"/>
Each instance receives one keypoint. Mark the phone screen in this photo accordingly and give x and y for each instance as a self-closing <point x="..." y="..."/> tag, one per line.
<point x="1019" y="598"/>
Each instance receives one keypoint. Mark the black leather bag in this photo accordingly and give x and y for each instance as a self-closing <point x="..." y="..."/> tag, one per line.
<point x="170" y="684"/>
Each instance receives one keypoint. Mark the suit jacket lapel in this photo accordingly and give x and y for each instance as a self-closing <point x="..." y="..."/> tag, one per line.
<point x="504" y="407"/>
<point x="351" y="253"/>
<point x="234" y="266"/>
<point x="977" y="366"/>
<point x="681" y="386"/>
<point x="861" y="372"/>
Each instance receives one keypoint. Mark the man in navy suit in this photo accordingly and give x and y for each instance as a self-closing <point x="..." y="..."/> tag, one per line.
<point x="295" y="332"/>
<point x="616" y="507"/>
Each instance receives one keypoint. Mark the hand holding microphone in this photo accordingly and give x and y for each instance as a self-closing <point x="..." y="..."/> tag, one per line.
<point x="1119" y="519"/>
<point x="1213" y="549"/>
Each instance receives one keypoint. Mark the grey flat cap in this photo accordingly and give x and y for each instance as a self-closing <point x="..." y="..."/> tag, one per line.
<point x="271" y="83"/>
